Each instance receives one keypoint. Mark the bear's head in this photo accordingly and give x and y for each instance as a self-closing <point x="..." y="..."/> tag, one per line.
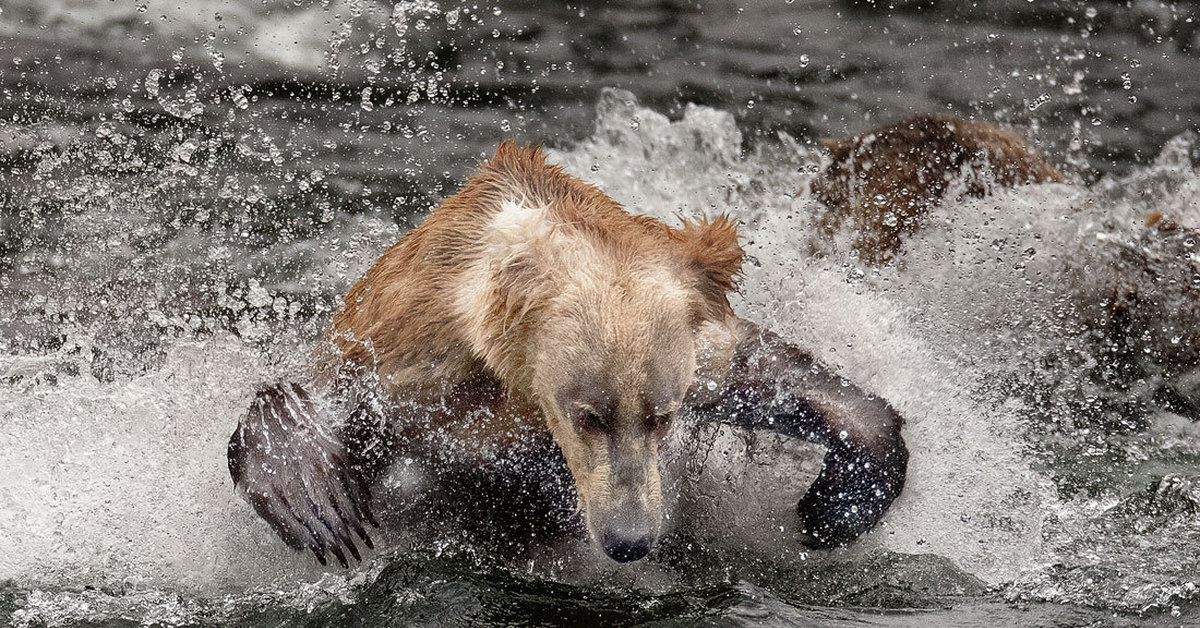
<point x="615" y="356"/>
<point x="593" y="314"/>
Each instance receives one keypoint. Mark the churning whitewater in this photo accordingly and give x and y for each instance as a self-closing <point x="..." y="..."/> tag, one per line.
<point x="983" y="334"/>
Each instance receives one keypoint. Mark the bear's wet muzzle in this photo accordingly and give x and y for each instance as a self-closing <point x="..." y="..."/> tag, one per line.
<point x="627" y="519"/>
<point x="627" y="545"/>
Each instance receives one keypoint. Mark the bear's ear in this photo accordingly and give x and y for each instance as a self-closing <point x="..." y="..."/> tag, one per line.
<point x="713" y="254"/>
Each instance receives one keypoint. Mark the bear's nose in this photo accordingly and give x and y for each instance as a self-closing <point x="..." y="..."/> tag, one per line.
<point x="627" y="547"/>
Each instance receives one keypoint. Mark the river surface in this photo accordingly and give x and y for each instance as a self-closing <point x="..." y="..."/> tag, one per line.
<point x="188" y="188"/>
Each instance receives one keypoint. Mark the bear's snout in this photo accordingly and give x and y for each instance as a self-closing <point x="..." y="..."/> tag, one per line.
<point x="626" y="546"/>
<point x="628" y="531"/>
<point x="625" y="514"/>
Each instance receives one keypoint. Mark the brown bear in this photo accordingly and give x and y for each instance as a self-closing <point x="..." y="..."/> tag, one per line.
<point x="883" y="182"/>
<point x="530" y="307"/>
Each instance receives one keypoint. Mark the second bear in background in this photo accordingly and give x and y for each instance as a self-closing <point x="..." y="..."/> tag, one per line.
<point x="881" y="183"/>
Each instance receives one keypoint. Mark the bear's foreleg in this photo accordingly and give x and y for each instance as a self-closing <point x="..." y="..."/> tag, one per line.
<point x="288" y="461"/>
<point x="776" y="386"/>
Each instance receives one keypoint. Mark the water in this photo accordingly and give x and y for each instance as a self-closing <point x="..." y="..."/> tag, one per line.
<point x="188" y="192"/>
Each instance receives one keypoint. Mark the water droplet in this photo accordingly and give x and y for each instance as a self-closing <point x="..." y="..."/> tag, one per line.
<point x="634" y="123"/>
<point x="238" y="96"/>
<point x="184" y="151"/>
<point x="152" y="83"/>
<point x="1039" y="101"/>
<point x="711" y="385"/>
<point x="366" y="100"/>
<point x="1090" y="12"/>
<point x="804" y="60"/>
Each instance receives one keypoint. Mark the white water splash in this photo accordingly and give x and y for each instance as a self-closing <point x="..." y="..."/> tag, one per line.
<point x="969" y="496"/>
<point x="124" y="483"/>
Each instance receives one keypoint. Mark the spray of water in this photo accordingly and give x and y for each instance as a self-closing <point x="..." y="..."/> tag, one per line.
<point x="982" y="332"/>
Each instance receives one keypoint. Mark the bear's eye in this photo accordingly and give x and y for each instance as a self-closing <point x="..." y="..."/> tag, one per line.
<point x="587" y="419"/>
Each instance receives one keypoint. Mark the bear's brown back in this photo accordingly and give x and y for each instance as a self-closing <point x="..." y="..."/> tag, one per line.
<point x="881" y="183"/>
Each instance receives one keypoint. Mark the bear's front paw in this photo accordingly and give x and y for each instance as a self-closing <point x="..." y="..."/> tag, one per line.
<point x="286" y="461"/>
<point x="851" y="494"/>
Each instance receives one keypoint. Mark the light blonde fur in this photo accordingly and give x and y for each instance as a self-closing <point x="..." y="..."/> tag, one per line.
<point x="531" y="277"/>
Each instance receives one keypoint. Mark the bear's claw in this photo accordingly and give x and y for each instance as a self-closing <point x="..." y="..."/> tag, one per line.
<point x="287" y="462"/>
